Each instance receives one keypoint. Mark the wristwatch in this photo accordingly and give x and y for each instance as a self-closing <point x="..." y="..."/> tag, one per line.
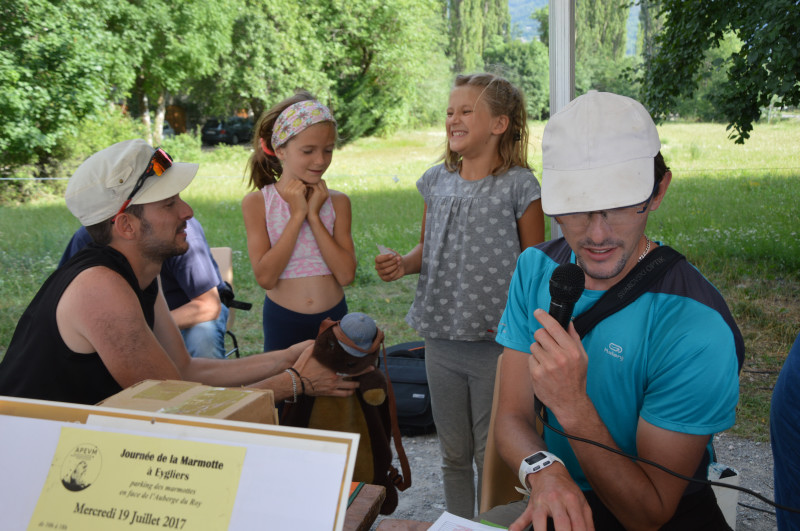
<point x="534" y="463"/>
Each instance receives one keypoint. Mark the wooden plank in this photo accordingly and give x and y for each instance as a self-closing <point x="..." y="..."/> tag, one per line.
<point x="364" y="509"/>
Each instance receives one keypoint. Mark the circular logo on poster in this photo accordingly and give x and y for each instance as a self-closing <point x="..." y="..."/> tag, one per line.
<point x="81" y="467"/>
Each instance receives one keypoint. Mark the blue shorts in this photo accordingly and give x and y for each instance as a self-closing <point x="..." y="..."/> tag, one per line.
<point x="284" y="328"/>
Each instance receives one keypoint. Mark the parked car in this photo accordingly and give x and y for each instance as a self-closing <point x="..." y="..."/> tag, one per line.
<point x="167" y="131"/>
<point x="233" y="130"/>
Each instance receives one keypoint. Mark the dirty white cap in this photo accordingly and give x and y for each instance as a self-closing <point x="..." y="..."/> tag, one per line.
<point x="597" y="154"/>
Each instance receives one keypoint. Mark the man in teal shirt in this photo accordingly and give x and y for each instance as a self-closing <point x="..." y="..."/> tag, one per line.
<point x="655" y="380"/>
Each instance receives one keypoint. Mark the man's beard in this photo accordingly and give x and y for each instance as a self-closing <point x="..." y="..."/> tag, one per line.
<point x="616" y="269"/>
<point x="159" y="251"/>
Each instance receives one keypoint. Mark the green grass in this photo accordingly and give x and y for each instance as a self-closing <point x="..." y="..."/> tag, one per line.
<point x="732" y="210"/>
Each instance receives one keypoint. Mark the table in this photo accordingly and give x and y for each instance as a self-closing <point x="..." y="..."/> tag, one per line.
<point x="364" y="509"/>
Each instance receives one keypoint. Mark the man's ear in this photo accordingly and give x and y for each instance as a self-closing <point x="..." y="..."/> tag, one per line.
<point x="500" y="124"/>
<point x="662" y="191"/>
<point x="125" y="225"/>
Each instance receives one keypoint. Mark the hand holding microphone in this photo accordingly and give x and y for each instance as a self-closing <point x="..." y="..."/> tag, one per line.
<point x="566" y="287"/>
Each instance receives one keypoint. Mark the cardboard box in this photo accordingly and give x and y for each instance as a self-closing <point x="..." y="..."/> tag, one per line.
<point x="190" y="398"/>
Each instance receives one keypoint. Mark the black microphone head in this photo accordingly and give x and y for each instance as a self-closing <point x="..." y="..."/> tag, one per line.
<point x="567" y="283"/>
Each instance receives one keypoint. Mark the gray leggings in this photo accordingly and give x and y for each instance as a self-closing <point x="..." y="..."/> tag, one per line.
<point x="461" y="379"/>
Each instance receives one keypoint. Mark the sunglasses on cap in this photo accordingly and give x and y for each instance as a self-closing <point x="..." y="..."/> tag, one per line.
<point x="159" y="163"/>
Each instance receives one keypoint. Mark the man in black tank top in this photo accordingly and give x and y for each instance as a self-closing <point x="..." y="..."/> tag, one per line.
<point x="100" y="324"/>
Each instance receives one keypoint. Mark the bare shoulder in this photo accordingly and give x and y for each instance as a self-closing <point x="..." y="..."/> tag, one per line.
<point x="339" y="198"/>
<point x="98" y="299"/>
<point x="100" y="290"/>
<point x="252" y="200"/>
<point x="99" y="279"/>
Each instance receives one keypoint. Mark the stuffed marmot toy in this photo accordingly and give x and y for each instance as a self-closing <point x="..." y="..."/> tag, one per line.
<point x="348" y="347"/>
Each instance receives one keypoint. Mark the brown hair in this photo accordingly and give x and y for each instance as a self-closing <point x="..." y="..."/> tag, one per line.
<point x="266" y="169"/>
<point x="660" y="167"/>
<point x="101" y="232"/>
<point x="502" y="98"/>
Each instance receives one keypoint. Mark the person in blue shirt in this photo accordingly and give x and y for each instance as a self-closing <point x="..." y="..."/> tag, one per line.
<point x="784" y="431"/>
<point x="192" y="284"/>
<point x="654" y="380"/>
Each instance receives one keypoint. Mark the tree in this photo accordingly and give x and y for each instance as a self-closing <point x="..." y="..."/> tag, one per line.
<point x="378" y="65"/>
<point x="172" y="44"/>
<point x="600" y="29"/>
<point x="542" y="16"/>
<point x="274" y="51"/>
<point x="384" y="60"/>
<point x="766" y="66"/>
<point x="471" y="26"/>
<point x="526" y="65"/>
<point x="710" y="76"/>
<point x="650" y="25"/>
<point x="56" y="67"/>
<point x="600" y="39"/>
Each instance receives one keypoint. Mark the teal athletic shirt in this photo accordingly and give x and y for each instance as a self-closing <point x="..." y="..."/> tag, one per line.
<point x="671" y="357"/>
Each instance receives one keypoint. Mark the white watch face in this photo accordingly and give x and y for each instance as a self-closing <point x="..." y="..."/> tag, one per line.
<point x="538" y="461"/>
<point x="535" y="458"/>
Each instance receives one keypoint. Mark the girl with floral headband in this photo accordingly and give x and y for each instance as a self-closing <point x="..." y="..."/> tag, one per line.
<point x="298" y="231"/>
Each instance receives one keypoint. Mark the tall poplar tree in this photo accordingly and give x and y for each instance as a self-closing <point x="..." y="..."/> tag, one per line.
<point x="600" y="29"/>
<point x="600" y="39"/>
<point x="471" y="26"/>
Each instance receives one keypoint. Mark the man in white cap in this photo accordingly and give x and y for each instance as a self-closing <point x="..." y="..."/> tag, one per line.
<point x="100" y="324"/>
<point x="655" y="380"/>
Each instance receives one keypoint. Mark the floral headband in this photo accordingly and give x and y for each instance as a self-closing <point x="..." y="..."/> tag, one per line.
<point x="297" y="118"/>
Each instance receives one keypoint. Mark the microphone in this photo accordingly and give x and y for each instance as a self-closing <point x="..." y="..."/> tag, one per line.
<point x="566" y="287"/>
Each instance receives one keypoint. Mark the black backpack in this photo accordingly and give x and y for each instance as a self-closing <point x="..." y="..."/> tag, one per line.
<point x="405" y="365"/>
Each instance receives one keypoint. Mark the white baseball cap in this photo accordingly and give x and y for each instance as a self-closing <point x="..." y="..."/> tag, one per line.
<point x="102" y="183"/>
<point x="597" y="154"/>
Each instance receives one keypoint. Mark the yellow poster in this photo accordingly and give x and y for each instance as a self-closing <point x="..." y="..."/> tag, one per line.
<point x="106" y="481"/>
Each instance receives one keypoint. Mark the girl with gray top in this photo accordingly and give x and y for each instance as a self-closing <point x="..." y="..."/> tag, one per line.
<point x="482" y="208"/>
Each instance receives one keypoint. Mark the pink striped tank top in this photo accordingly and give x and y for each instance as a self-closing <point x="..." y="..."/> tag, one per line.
<point x="306" y="259"/>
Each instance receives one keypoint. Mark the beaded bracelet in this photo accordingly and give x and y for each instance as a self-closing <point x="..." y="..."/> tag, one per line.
<point x="294" y="388"/>
<point x="302" y="384"/>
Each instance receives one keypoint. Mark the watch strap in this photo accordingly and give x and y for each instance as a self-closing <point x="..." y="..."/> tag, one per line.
<point x="524" y="467"/>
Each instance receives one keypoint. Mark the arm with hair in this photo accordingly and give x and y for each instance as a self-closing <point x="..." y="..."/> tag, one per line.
<point x="204" y="307"/>
<point x="553" y="492"/>
<point x="263" y="371"/>
<point x="639" y="495"/>
<point x="268" y="371"/>
<point x="100" y="313"/>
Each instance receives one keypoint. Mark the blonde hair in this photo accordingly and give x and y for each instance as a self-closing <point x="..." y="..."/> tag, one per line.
<point x="266" y="169"/>
<point x="502" y="98"/>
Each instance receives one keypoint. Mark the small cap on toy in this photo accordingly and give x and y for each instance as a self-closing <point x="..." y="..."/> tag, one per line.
<point x="359" y="328"/>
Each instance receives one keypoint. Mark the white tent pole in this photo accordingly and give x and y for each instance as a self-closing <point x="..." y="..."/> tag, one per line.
<point x="562" y="64"/>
